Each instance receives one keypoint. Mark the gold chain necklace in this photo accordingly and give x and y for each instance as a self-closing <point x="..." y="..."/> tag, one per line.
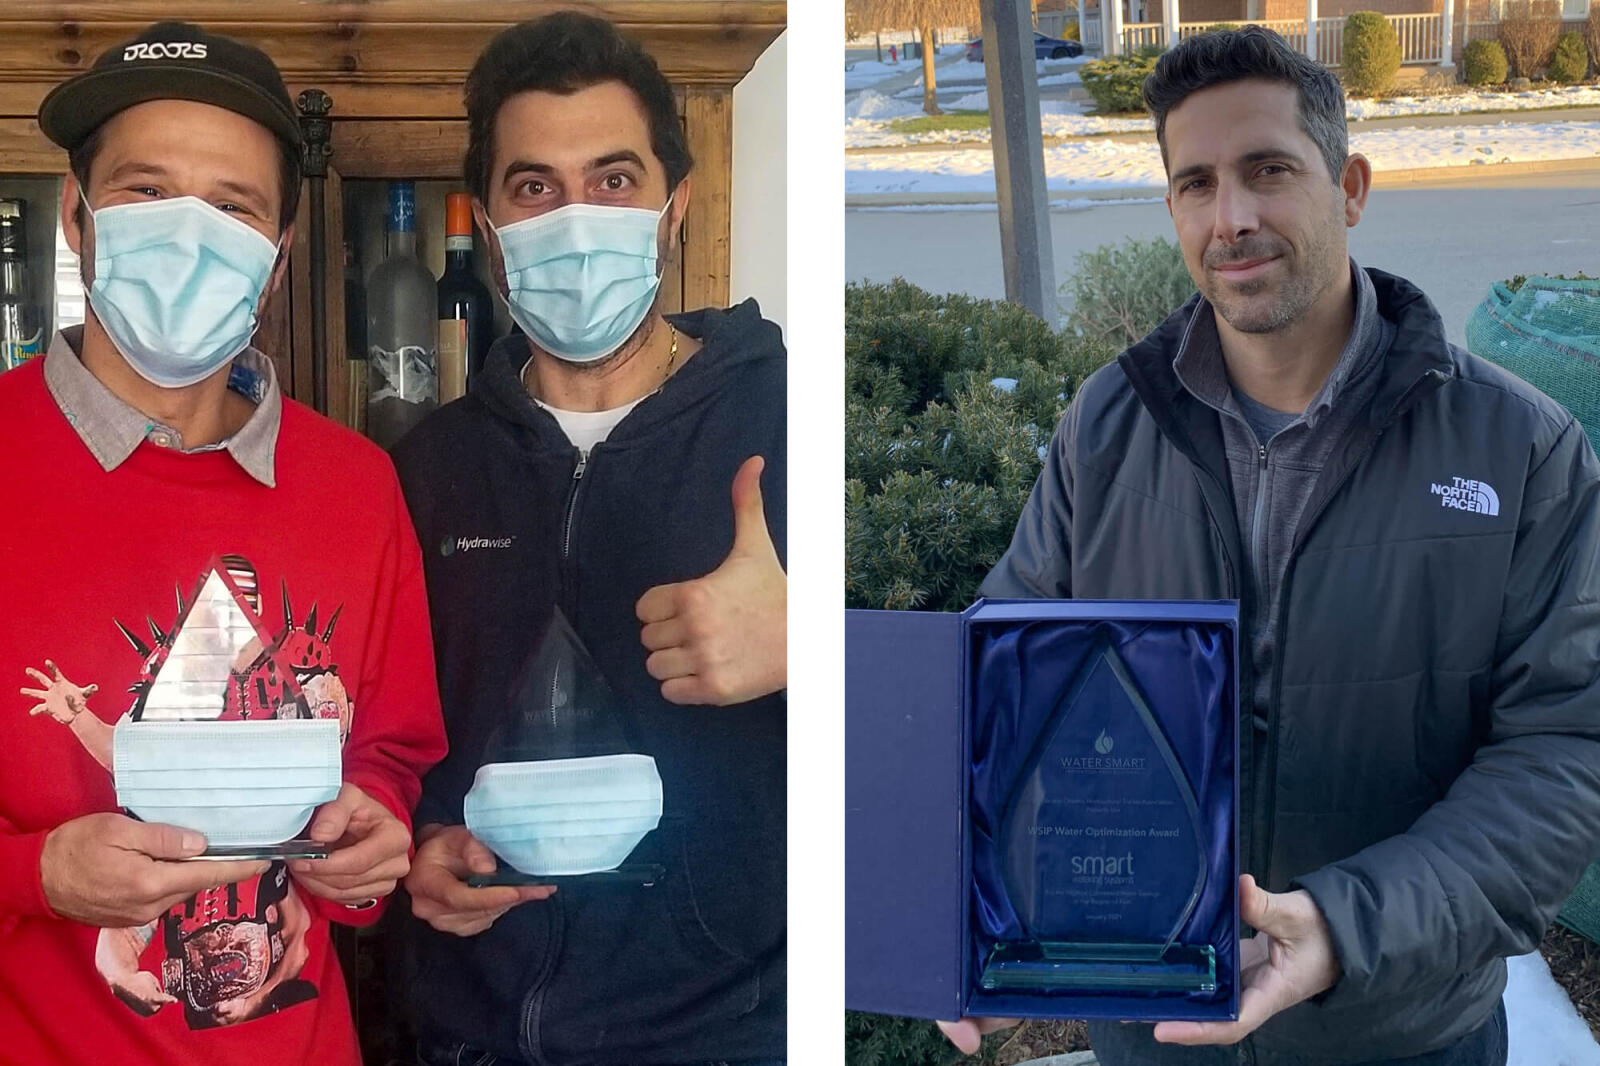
<point x="672" y="356"/>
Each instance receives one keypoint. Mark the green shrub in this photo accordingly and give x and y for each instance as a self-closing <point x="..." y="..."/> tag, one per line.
<point x="880" y="1040"/>
<point x="1371" y="53"/>
<point x="1215" y="26"/>
<point x="939" y="458"/>
<point x="1120" y="292"/>
<point x="1571" y="61"/>
<point x="1484" y="63"/>
<point x="1115" y="82"/>
<point x="1069" y="32"/>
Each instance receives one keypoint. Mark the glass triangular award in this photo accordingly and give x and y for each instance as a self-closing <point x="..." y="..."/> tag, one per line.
<point x="1101" y="849"/>
<point x="561" y="795"/>
<point x="220" y="738"/>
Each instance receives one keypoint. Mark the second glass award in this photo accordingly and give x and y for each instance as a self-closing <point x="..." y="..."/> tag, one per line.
<point x="1101" y="849"/>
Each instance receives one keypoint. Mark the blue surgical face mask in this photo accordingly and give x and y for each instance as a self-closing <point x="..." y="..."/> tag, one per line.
<point x="176" y="286"/>
<point x="565" y="816"/>
<point x="238" y="782"/>
<point x="582" y="278"/>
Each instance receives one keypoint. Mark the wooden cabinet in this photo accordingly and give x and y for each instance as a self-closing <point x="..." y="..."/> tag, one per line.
<point x="393" y="72"/>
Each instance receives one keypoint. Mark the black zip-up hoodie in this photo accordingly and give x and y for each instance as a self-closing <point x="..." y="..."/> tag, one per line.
<point x="513" y="525"/>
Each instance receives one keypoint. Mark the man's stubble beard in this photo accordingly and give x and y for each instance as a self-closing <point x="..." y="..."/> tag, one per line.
<point x="1297" y="293"/>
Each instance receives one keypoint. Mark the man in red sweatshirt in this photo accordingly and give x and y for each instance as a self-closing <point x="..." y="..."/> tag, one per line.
<point x="152" y="467"/>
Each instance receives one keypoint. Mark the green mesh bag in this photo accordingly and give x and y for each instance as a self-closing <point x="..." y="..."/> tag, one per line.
<point x="1548" y="334"/>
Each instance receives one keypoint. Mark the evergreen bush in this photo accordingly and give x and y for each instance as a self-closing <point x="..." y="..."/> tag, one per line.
<point x="1571" y="60"/>
<point x="1069" y="32"/>
<point x="1484" y="63"/>
<point x="1120" y="292"/>
<point x="1115" y="82"/>
<point x="949" y="404"/>
<point x="1371" y="53"/>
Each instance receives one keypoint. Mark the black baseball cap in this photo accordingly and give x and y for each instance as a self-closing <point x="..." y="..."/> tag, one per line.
<point x="171" y="61"/>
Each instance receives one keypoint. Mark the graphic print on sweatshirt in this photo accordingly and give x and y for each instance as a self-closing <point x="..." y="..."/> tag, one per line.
<point x="234" y="952"/>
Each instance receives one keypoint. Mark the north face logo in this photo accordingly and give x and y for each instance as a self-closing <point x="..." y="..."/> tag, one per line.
<point x="1464" y="495"/>
<point x="164" y="50"/>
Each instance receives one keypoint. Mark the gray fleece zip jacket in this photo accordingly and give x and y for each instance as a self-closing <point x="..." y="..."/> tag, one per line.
<point x="1428" y="766"/>
<point x="1273" y="475"/>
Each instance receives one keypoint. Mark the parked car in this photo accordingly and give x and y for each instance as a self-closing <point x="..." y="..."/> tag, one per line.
<point x="1043" y="48"/>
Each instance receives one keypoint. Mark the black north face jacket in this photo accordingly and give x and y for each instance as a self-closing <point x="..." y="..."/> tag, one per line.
<point x="511" y="526"/>
<point x="1429" y="769"/>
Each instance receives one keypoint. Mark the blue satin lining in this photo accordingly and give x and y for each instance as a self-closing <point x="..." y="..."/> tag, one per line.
<point x="1021" y="670"/>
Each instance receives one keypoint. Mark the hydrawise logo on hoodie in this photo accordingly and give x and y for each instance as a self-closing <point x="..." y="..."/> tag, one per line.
<point x="453" y="544"/>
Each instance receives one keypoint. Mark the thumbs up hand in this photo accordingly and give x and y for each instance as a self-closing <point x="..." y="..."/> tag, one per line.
<point x="723" y="638"/>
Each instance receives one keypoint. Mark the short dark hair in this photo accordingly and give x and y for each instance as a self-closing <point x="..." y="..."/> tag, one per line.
<point x="1222" y="56"/>
<point x="563" y="53"/>
<point x="81" y="158"/>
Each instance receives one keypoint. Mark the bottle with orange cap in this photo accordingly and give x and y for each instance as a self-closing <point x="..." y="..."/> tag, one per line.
<point x="466" y="313"/>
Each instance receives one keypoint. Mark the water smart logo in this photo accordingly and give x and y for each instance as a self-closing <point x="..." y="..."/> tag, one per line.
<point x="1103" y="744"/>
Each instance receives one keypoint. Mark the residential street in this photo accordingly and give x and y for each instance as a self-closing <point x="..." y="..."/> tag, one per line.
<point x="1453" y="240"/>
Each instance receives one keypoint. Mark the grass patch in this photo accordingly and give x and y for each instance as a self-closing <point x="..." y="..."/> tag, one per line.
<point x="950" y="120"/>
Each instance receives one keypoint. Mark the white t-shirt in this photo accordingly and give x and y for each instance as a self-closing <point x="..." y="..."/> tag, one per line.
<point x="585" y="429"/>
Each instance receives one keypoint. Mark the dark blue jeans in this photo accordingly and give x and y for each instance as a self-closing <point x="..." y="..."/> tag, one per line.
<point x="435" y="1054"/>
<point x="1116" y="1044"/>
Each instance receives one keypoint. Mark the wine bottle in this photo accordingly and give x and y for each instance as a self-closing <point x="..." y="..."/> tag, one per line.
<point x="402" y="334"/>
<point x="466" y="314"/>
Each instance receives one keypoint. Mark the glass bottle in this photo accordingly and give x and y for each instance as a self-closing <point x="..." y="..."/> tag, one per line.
<point x="402" y="334"/>
<point x="466" y="313"/>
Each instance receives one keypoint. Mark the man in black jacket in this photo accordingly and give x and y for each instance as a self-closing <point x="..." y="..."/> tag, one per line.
<point x="1412" y="534"/>
<point x="627" y="468"/>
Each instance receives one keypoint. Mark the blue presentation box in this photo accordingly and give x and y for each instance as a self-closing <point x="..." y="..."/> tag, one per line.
<point x="922" y="907"/>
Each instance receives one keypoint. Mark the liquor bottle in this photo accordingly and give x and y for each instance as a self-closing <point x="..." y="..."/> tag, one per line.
<point x="21" y="336"/>
<point x="402" y="333"/>
<point x="355" y="338"/>
<point x="466" y="314"/>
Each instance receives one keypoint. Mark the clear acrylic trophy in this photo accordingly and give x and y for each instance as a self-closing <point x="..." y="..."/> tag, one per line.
<point x="560" y="796"/>
<point x="1101" y="850"/>
<point x="221" y="738"/>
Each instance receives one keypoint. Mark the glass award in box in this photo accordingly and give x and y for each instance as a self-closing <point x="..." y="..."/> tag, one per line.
<point x="1100" y="844"/>
<point x="561" y="796"/>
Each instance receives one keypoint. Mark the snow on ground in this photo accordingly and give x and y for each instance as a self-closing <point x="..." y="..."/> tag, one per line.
<point x="1474" y="100"/>
<point x="1083" y="166"/>
<point x="1062" y="118"/>
<point x="867" y="72"/>
<point x="863" y="73"/>
<point x="873" y="107"/>
<point x="1543" y="1027"/>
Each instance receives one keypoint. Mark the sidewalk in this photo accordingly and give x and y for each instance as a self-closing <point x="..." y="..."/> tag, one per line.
<point x="1420" y="177"/>
<point x="1490" y="118"/>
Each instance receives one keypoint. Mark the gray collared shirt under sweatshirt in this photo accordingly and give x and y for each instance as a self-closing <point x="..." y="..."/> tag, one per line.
<point x="1275" y="458"/>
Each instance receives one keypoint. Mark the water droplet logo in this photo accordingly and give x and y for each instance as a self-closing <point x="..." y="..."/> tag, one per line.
<point x="448" y="547"/>
<point x="1103" y="744"/>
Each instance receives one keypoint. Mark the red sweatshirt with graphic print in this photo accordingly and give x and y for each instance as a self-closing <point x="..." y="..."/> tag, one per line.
<point x="92" y="568"/>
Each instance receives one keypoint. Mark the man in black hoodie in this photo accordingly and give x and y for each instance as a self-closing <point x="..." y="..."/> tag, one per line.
<point x="609" y="461"/>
